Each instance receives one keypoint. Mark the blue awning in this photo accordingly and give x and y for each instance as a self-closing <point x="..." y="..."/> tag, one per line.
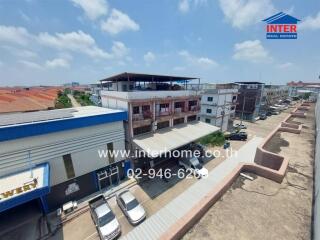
<point x="24" y="186"/>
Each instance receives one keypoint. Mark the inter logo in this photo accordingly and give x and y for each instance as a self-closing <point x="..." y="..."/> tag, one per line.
<point x="281" y="26"/>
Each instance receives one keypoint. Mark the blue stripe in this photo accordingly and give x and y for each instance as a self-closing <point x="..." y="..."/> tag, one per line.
<point x="33" y="129"/>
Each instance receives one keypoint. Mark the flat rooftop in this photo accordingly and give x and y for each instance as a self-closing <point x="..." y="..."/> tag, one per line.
<point x="18" y="125"/>
<point x="52" y="115"/>
<point x="142" y="77"/>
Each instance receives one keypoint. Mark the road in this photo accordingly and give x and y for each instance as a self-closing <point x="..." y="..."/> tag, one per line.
<point x="73" y="101"/>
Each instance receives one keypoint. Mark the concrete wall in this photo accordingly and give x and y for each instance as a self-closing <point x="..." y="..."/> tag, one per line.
<point x="316" y="213"/>
<point x="83" y="145"/>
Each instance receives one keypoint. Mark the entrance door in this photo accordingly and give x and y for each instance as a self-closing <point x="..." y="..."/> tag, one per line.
<point x="108" y="177"/>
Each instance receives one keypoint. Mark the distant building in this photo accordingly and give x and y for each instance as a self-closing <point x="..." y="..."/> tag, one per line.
<point x="72" y="84"/>
<point x="298" y="88"/>
<point x="249" y="100"/>
<point x="273" y="94"/>
<point x="218" y="104"/>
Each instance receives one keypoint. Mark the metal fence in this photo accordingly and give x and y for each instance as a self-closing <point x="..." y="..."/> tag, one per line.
<point x="316" y="213"/>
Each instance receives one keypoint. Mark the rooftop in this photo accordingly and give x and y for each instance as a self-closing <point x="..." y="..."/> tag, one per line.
<point x="18" y="125"/>
<point x="142" y="77"/>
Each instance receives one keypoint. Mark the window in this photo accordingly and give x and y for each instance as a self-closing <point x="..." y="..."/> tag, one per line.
<point x="207" y="120"/>
<point x="110" y="153"/>
<point x="178" y="121"/>
<point x="192" y="118"/>
<point x="209" y="110"/>
<point x="210" y="99"/>
<point x="68" y="165"/>
<point x="146" y="108"/>
<point x="162" y="124"/>
<point x="135" y="110"/>
<point x="141" y="130"/>
<point x="164" y="107"/>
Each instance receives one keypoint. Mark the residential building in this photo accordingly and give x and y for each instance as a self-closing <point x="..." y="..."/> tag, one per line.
<point x="300" y="88"/>
<point x="249" y="100"/>
<point x="52" y="157"/>
<point x="273" y="94"/>
<point x="162" y="113"/>
<point x="218" y="104"/>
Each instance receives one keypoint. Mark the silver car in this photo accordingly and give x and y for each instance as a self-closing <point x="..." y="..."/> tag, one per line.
<point x="131" y="208"/>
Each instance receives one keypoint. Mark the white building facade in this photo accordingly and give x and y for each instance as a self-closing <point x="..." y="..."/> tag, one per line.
<point x="218" y="106"/>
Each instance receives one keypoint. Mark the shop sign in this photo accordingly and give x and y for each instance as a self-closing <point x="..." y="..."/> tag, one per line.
<point x="19" y="190"/>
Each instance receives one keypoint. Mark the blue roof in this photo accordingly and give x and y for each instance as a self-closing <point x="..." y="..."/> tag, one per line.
<point x="82" y="117"/>
<point x="281" y="18"/>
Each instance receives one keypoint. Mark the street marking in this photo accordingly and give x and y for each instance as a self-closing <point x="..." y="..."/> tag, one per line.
<point x="90" y="236"/>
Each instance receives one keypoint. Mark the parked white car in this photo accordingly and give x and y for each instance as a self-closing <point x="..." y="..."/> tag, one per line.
<point x="104" y="219"/>
<point x="241" y="126"/>
<point x="193" y="165"/>
<point x="131" y="208"/>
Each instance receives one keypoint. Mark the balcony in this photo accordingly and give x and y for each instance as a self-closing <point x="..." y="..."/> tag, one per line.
<point x="194" y="108"/>
<point x="142" y="119"/>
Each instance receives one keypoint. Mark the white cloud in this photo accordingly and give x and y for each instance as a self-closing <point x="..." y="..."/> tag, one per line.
<point x="250" y="51"/>
<point x="93" y="9"/>
<point x="246" y="12"/>
<point x="32" y="65"/>
<point x="119" y="50"/>
<point x="57" y="62"/>
<point x="312" y="23"/>
<point x="74" y="41"/>
<point x="149" y="57"/>
<point x="285" y="65"/>
<point x="11" y="34"/>
<point x="119" y="22"/>
<point x="185" y="5"/>
<point x="22" y="53"/>
<point x="203" y="62"/>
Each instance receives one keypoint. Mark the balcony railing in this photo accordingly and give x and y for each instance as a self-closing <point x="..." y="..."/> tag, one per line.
<point x="163" y="113"/>
<point x="194" y="108"/>
<point x="142" y="116"/>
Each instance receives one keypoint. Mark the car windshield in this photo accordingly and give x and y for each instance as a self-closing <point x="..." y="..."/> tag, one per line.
<point x="132" y="204"/>
<point x="198" y="166"/>
<point x="105" y="219"/>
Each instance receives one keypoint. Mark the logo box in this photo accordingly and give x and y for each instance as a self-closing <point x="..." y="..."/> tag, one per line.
<point x="281" y="26"/>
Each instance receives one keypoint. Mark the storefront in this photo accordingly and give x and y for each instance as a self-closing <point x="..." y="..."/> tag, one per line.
<point x="25" y="186"/>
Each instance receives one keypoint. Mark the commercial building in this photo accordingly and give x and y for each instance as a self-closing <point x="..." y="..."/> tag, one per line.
<point x="298" y="88"/>
<point x="162" y="113"/>
<point x="218" y="104"/>
<point x="52" y="157"/>
<point x="273" y="94"/>
<point x="249" y="100"/>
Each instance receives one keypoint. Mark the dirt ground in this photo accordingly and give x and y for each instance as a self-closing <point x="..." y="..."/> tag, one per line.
<point x="263" y="209"/>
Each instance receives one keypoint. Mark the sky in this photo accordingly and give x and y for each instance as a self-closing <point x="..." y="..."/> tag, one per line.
<point x="52" y="42"/>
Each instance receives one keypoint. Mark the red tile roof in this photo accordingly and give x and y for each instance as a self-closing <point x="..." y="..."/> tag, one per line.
<point x="32" y="99"/>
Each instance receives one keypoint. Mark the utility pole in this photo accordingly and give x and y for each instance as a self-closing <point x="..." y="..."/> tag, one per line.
<point x="244" y="102"/>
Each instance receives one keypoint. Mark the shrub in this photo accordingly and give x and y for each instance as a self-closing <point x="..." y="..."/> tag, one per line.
<point x="214" y="139"/>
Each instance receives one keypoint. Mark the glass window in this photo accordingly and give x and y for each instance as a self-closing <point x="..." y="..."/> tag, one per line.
<point x="110" y="153"/>
<point x="132" y="204"/>
<point x="68" y="165"/>
<point x="135" y="110"/>
<point x="210" y="99"/>
<point x="208" y="120"/>
<point x="209" y="110"/>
